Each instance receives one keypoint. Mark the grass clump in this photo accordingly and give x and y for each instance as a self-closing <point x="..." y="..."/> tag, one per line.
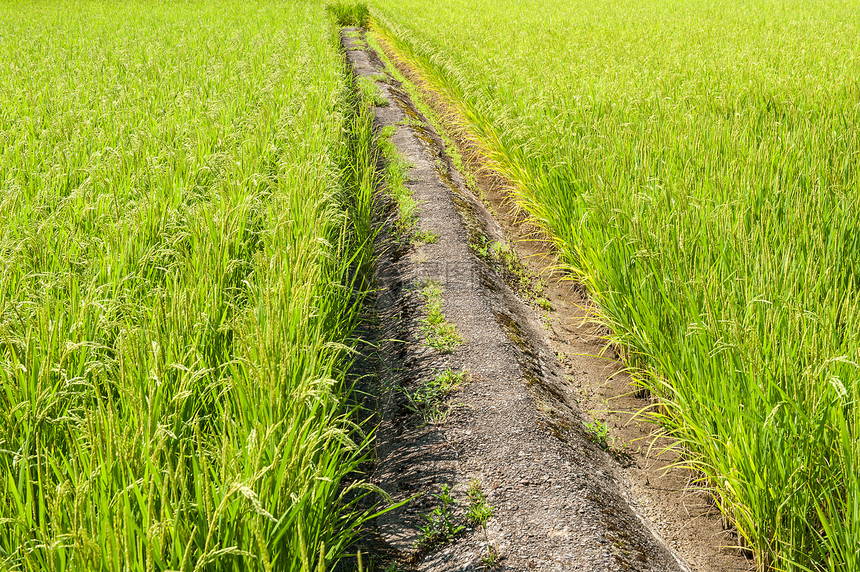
<point x="439" y="334"/>
<point x="501" y="256"/>
<point x="429" y="399"/>
<point x="479" y="512"/>
<point x="425" y="237"/>
<point x="441" y="525"/>
<point x="479" y="509"/>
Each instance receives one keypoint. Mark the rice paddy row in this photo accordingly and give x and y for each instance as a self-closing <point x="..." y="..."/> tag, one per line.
<point x="697" y="165"/>
<point x="184" y="196"/>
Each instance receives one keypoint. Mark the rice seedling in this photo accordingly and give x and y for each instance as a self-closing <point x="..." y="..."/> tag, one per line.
<point x="185" y="197"/>
<point x="697" y="165"/>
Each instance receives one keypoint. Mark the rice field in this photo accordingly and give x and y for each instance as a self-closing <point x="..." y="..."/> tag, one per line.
<point x="697" y="165"/>
<point x="184" y="231"/>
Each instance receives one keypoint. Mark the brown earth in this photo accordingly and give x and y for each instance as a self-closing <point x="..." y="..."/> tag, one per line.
<point x="537" y="377"/>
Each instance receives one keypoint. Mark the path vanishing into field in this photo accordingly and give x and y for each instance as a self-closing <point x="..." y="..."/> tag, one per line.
<point x="564" y="498"/>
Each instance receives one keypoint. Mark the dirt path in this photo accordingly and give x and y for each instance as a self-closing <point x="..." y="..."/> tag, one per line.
<point x="516" y="427"/>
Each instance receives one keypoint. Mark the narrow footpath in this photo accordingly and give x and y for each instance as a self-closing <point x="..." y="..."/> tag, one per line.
<point x="561" y="498"/>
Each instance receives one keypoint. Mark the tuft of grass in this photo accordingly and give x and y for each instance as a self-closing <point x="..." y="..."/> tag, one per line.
<point x="429" y="399"/>
<point x="479" y="510"/>
<point x="478" y="514"/>
<point x="441" y="526"/>
<point x="425" y="237"/>
<point x="491" y="558"/>
<point x="501" y="256"/>
<point x="439" y="334"/>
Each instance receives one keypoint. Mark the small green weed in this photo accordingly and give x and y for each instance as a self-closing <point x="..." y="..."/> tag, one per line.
<point x="439" y="334"/>
<point x="425" y="237"/>
<point x="504" y="252"/>
<point x="407" y="214"/>
<point x="511" y="265"/>
<point x="431" y="291"/>
<point x="449" y="380"/>
<point x="481" y="246"/>
<point x="441" y="527"/>
<point x="503" y="257"/>
<point x="428" y="399"/>
<point x="598" y="433"/>
<point x="396" y="176"/>
<point x="479" y="510"/>
<point x="491" y="558"/>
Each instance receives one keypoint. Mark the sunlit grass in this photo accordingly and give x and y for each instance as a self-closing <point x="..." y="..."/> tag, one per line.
<point x="698" y="165"/>
<point x="185" y="216"/>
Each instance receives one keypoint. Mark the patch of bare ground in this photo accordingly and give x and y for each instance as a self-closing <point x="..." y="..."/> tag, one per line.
<point x="563" y="497"/>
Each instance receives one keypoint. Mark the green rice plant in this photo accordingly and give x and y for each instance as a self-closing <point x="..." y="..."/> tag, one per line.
<point x="370" y="92"/>
<point x="350" y="13"/>
<point x="185" y="229"/>
<point x="696" y="166"/>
